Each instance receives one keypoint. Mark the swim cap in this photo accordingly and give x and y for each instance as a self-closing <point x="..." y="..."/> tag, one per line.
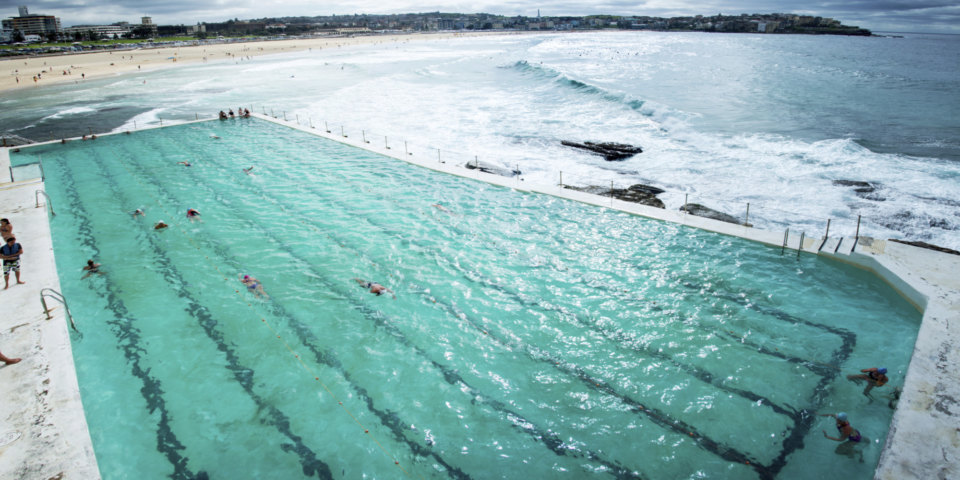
<point x="842" y="417"/>
<point x="882" y="370"/>
<point x="245" y="277"/>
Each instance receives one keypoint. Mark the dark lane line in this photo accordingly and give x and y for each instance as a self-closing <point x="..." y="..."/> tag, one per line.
<point x="660" y="418"/>
<point x="618" y="338"/>
<point x="128" y="339"/>
<point x="388" y="419"/>
<point x="244" y="375"/>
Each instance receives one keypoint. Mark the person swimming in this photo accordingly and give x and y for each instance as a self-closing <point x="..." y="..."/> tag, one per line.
<point x="192" y="213"/>
<point x="91" y="268"/>
<point x="248" y="170"/>
<point x="160" y="225"/>
<point x="846" y="431"/>
<point x="375" y="288"/>
<point x="185" y="164"/>
<point x="253" y="285"/>
<point x="138" y="212"/>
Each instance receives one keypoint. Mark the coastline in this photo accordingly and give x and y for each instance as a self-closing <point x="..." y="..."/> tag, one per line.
<point x="18" y="72"/>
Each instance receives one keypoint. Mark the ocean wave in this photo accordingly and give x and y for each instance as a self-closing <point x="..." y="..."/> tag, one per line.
<point x="68" y="111"/>
<point x="561" y="79"/>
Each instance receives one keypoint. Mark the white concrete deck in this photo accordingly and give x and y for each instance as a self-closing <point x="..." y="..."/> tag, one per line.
<point x="924" y="438"/>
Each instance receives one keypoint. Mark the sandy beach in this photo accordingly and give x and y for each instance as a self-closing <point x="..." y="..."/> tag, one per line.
<point x="40" y="71"/>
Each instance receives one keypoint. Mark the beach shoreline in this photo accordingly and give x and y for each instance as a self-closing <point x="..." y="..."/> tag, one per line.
<point x="40" y="71"/>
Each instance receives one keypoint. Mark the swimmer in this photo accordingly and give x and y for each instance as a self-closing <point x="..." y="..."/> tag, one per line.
<point x="375" y="288"/>
<point x="875" y="377"/>
<point x="215" y="137"/>
<point x="137" y="213"/>
<point x="192" y="214"/>
<point x="160" y="225"/>
<point x="849" y="436"/>
<point x="440" y="207"/>
<point x="91" y="268"/>
<point x="185" y="164"/>
<point x="253" y="285"/>
<point x="248" y="170"/>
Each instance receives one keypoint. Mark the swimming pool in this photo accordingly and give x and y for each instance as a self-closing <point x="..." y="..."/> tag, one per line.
<point x="530" y="336"/>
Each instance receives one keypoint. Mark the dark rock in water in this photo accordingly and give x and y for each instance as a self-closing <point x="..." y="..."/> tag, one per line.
<point x="707" y="212"/>
<point x="608" y="150"/>
<point x="865" y="190"/>
<point x="645" y="189"/>
<point x="851" y="183"/>
<point x="927" y="246"/>
<point x="490" y="168"/>
<point x="639" y="193"/>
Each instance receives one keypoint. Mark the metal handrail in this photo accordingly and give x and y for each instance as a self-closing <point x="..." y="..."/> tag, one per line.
<point x="49" y="202"/>
<point x="49" y="292"/>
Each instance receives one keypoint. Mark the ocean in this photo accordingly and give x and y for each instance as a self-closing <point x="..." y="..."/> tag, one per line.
<point x="804" y="129"/>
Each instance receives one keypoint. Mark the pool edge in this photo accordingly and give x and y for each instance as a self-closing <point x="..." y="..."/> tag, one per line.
<point x="41" y="404"/>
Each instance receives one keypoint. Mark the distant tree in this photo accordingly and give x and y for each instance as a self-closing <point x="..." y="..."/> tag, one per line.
<point x="77" y="36"/>
<point x="52" y="37"/>
<point x="141" y="32"/>
<point x="487" y="26"/>
<point x="18" y="36"/>
<point x="93" y="36"/>
<point x="201" y="35"/>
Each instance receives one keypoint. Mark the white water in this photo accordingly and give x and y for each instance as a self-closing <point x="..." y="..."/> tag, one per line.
<point x="724" y="120"/>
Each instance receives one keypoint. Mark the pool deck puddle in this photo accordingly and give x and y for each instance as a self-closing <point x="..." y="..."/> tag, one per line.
<point x="43" y="431"/>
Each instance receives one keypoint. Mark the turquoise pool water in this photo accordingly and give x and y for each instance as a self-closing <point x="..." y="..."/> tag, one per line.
<point x="530" y="337"/>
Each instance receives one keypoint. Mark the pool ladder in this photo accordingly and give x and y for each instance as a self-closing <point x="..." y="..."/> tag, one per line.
<point x="48" y="203"/>
<point x="49" y="292"/>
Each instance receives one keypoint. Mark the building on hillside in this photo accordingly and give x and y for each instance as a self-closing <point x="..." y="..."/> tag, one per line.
<point x="33" y="24"/>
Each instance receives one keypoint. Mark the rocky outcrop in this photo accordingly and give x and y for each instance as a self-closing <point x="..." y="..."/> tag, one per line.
<point x="609" y="151"/>
<point x="863" y="189"/>
<point x="639" y="193"/>
<point x="490" y="168"/>
<point x="707" y="212"/>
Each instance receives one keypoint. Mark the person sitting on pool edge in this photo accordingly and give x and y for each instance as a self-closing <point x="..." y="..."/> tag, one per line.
<point x="375" y="288"/>
<point x="91" y="268"/>
<point x="253" y="285"/>
<point x="875" y="377"/>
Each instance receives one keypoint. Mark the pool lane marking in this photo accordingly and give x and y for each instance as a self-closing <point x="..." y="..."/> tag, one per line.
<point x="167" y="442"/>
<point x="553" y="444"/>
<point x="802" y="421"/>
<point x="549" y="440"/>
<point x="596" y="384"/>
<point x="451" y="469"/>
<point x="243" y="375"/>
<point x="619" y="339"/>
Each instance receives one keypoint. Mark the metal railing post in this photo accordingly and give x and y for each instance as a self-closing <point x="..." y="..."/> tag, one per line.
<point x="856" y="238"/>
<point x="800" y="246"/>
<point x="786" y="235"/>
<point x="746" y="218"/>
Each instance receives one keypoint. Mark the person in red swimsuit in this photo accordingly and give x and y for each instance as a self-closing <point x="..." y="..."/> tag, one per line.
<point x="875" y="377"/>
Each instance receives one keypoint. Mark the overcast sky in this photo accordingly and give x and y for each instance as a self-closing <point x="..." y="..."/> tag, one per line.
<point x="936" y="16"/>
